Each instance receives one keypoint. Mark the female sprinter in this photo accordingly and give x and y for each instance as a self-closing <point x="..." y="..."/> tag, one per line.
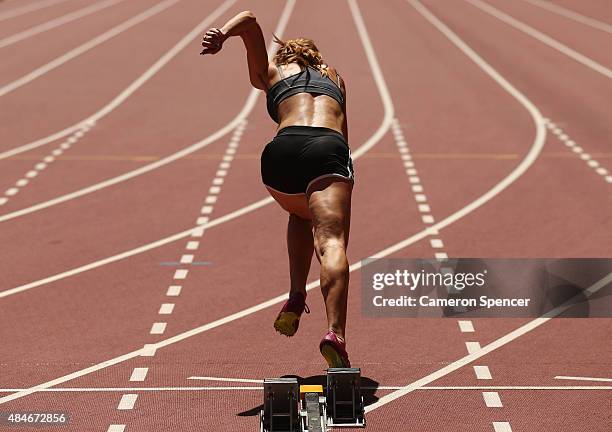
<point x="307" y="169"/>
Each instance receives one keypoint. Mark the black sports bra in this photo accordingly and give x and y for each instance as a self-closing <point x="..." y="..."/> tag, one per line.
<point x="302" y="82"/>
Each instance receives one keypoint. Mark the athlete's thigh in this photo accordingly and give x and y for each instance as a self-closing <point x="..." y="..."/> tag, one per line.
<point x="329" y="201"/>
<point x="293" y="203"/>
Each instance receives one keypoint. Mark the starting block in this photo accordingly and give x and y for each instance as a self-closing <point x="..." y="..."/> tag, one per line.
<point x="289" y="407"/>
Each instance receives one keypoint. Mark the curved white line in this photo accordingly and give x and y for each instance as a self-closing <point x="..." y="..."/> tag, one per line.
<point x="376" y="137"/>
<point x="57" y="22"/>
<point x="387" y="119"/>
<point x="567" y="13"/>
<point x="12" y="13"/>
<point x="128" y="91"/>
<point x="109" y="34"/>
<point x="118" y="100"/>
<point x="544" y="38"/>
<point x="527" y="161"/>
<point x="498" y="188"/>
<point x="186" y="151"/>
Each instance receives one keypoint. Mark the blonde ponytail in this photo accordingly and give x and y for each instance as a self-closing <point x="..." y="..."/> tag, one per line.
<point x="301" y="51"/>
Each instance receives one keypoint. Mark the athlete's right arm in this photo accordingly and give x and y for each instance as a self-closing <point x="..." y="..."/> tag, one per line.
<point x="244" y="25"/>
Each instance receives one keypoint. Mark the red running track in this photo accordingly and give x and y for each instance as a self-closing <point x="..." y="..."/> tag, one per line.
<point x="465" y="134"/>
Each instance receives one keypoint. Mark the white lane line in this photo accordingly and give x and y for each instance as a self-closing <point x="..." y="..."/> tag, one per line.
<point x="441" y="255"/>
<point x="417" y="187"/>
<point x="158" y="328"/>
<point x="241" y="380"/>
<point x="516" y="173"/>
<point x="109" y="34"/>
<point x="173" y="291"/>
<point x="181" y="274"/>
<point x="466" y="326"/>
<point x="129" y="90"/>
<point x="507" y="181"/>
<point x="127" y="402"/>
<point x="558" y="9"/>
<point x="148" y="350"/>
<point x="544" y="38"/>
<point x="247" y="108"/>
<point x="591" y="163"/>
<point x="502" y="427"/>
<point x="139" y="374"/>
<point x="482" y="372"/>
<point x="192" y="245"/>
<point x="116" y="428"/>
<point x="34" y="6"/>
<point x="515" y="334"/>
<point x="472" y="347"/>
<point x="573" y="378"/>
<point x="186" y="259"/>
<point x="492" y="400"/>
<point x="498" y="343"/>
<point x="166" y="308"/>
<point x="57" y="22"/>
<point x="436" y="243"/>
<point x="259" y="388"/>
<point x="47" y="160"/>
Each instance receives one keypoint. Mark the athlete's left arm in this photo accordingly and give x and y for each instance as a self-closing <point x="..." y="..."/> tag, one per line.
<point x="244" y="25"/>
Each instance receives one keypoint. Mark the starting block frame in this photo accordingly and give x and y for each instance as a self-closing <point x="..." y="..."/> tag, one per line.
<point x="340" y="404"/>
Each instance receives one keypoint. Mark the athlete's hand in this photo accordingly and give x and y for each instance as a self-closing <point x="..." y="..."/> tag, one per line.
<point x="213" y="41"/>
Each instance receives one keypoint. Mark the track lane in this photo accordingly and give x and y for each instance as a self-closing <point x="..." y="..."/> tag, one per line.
<point x="255" y="143"/>
<point x="589" y="41"/>
<point x="90" y="89"/>
<point x="26" y="56"/>
<point x="12" y="24"/>
<point x="443" y="400"/>
<point x="114" y="146"/>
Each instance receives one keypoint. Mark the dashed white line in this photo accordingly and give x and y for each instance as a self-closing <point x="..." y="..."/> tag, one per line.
<point x="127" y="402"/>
<point x="139" y="374"/>
<point x="466" y="326"/>
<point x="472" y="347"/>
<point x="173" y="291"/>
<point x="158" y="328"/>
<point x="436" y="243"/>
<point x="591" y="163"/>
<point x="186" y="259"/>
<point x="148" y="350"/>
<point x="166" y="308"/>
<point x="192" y="245"/>
<point x="66" y="144"/>
<point x="515" y="174"/>
<point x="492" y="400"/>
<point x="427" y="219"/>
<point x="482" y="372"/>
<point x="116" y="428"/>
<point x="502" y="427"/>
<point x="181" y="274"/>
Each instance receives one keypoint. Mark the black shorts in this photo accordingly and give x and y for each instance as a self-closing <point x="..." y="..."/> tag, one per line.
<point x="299" y="155"/>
